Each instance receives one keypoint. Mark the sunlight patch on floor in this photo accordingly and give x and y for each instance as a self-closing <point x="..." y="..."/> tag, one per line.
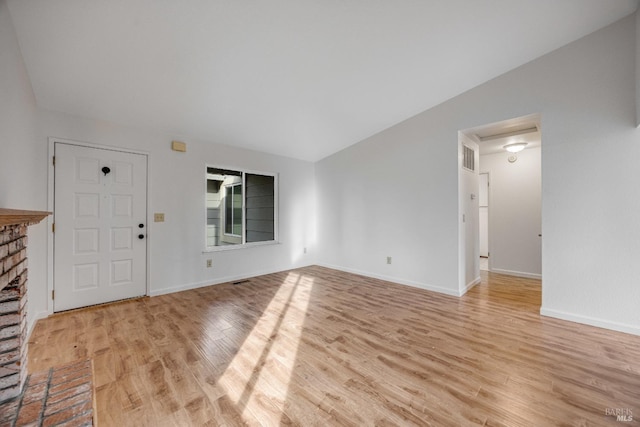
<point x="257" y="378"/>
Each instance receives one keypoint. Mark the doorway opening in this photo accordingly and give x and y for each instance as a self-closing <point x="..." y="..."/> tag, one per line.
<point x="505" y="198"/>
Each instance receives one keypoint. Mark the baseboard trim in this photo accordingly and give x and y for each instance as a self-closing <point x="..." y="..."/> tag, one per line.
<point x="411" y="283"/>
<point x="214" y="281"/>
<point x="591" y="321"/>
<point x="32" y="322"/>
<point x="188" y="286"/>
<point x="470" y="285"/>
<point x="517" y="273"/>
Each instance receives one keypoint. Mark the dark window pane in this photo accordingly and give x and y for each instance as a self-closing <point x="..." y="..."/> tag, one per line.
<point x="260" y="199"/>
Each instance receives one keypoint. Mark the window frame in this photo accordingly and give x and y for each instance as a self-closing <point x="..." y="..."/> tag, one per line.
<point x="276" y="203"/>
<point x="242" y="206"/>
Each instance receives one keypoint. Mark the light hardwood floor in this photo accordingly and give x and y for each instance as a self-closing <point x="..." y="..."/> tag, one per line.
<point x="318" y="347"/>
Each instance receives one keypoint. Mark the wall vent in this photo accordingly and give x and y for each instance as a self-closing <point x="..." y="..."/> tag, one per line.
<point x="469" y="158"/>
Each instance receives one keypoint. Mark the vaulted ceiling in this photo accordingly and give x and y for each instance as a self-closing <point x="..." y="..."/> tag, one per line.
<point x="298" y="78"/>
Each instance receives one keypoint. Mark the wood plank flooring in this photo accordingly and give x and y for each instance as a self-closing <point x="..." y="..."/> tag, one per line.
<point x="318" y="347"/>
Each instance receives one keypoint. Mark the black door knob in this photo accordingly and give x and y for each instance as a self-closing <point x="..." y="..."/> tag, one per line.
<point x="140" y="225"/>
<point x="140" y="236"/>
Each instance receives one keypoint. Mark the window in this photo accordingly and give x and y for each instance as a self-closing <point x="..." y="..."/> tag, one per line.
<point x="241" y="207"/>
<point x="233" y="210"/>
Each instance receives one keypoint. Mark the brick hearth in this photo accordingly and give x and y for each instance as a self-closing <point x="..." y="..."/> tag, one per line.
<point x="60" y="396"/>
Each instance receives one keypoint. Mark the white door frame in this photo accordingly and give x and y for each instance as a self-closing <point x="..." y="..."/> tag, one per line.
<point x="466" y="241"/>
<point x="51" y="218"/>
<point x="488" y="214"/>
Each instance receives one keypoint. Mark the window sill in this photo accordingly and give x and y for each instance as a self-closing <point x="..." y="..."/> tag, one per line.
<point x="235" y="247"/>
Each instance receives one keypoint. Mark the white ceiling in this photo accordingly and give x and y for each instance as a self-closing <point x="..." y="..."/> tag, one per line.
<point x="496" y="145"/>
<point x="492" y="137"/>
<point x="298" y="78"/>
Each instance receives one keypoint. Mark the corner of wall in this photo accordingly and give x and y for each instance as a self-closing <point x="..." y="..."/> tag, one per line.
<point x="637" y="68"/>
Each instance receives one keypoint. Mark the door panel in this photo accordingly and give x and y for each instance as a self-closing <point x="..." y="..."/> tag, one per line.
<point x="100" y="200"/>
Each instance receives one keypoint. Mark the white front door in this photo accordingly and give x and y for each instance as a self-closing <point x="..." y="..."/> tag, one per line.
<point x="100" y="248"/>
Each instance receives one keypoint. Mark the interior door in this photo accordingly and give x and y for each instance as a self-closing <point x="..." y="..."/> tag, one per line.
<point x="484" y="214"/>
<point x="100" y="248"/>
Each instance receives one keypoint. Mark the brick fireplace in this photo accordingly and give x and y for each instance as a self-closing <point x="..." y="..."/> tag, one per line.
<point x="13" y="299"/>
<point x="61" y="395"/>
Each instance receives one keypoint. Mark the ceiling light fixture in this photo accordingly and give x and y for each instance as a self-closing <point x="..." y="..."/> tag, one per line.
<point x="515" y="147"/>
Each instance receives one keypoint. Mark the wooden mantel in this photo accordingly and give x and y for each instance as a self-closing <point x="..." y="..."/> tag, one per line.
<point x="16" y="216"/>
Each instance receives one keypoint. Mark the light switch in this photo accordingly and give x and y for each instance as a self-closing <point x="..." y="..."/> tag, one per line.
<point x="158" y="217"/>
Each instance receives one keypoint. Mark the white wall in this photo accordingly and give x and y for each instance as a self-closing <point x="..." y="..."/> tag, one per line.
<point x="22" y="161"/>
<point x="515" y="212"/>
<point x="396" y="192"/>
<point x="638" y="69"/>
<point x="177" y="188"/>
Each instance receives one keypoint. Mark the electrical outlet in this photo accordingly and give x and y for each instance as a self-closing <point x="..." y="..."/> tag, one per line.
<point x="158" y="217"/>
<point x="209" y="263"/>
<point x="388" y="260"/>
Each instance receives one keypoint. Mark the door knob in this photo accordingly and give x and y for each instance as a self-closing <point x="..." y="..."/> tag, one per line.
<point x="140" y="236"/>
<point x="140" y="225"/>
